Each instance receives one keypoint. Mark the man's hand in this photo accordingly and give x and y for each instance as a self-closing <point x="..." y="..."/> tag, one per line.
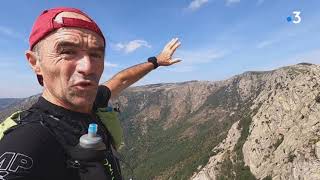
<point x="132" y="74"/>
<point x="165" y="57"/>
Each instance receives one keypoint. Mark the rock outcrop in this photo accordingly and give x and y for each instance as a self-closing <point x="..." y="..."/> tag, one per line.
<point x="284" y="135"/>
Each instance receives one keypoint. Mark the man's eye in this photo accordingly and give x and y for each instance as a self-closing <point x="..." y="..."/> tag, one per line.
<point x="68" y="52"/>
<point x="96" y="55"/>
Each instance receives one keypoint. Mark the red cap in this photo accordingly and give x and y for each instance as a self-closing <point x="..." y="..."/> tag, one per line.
<point x="45" y="24"/>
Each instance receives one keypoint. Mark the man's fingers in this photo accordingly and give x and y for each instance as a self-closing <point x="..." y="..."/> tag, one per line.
<point x="175" y="60"/>
<point x="171" y="43"/>
<point x="168" y="44"/>
<point x="176" y="41"/>
<point x="168" y="51"/>
<point x="174" y="47"/>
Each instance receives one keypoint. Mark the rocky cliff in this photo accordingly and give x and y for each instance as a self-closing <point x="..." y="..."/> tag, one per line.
<point x="284" y="134"/>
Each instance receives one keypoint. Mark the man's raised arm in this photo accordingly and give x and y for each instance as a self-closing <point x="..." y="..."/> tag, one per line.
<point x="126" y="77"/>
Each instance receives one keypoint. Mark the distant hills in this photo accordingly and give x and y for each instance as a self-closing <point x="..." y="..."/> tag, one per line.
<point x="6" y="102"/>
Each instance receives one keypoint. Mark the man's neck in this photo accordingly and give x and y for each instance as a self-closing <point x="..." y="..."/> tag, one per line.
<point x="59" y="102"/>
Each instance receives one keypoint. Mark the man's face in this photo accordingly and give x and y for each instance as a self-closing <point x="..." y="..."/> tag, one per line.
<point x="71" y="63"/>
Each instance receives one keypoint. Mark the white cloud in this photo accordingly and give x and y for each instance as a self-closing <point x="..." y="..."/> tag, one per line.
<point x="200" y="56"/>
<point x="287" y="33"/>
<point x="108" y="64"/>
<point x="132" y="46"/>
<point x="280" y="35"/>
<point x="229" y="2"/>
<point x="266" y="43"/>
<point x="196" y="4"/>
<point x="9" y="32"/>
<point x="192" y="58"/>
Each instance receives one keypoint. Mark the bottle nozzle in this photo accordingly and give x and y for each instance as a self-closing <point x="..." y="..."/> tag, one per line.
<point x="93" y="129"/>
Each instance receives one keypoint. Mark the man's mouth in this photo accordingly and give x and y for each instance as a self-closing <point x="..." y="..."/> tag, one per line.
<point x="85" y="84"/>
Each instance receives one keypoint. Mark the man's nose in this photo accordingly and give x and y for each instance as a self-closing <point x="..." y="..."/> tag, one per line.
<point x="85" y="65"/>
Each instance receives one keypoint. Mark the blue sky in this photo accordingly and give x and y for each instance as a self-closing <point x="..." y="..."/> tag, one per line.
<point x="220" y="38"/>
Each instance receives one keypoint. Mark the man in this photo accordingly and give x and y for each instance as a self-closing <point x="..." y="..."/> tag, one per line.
<point x="67" y="52"/>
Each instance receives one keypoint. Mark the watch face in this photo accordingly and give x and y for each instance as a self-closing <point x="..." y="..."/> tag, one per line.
<point x="153" y="60"/>
<point x="150" y="59"/>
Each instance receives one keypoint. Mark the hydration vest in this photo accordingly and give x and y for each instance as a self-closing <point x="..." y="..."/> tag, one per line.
<point x="90" y="163"/>
<point x="108" y="117"/>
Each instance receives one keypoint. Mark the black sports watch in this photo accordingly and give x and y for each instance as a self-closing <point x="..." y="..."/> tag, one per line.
<point x="154" y="61"/>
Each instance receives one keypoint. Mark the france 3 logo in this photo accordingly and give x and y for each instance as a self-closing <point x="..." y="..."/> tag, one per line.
<point x="295" y="18"/>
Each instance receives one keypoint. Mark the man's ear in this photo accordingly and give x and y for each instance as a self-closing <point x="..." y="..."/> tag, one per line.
<point x="33" y="60"/>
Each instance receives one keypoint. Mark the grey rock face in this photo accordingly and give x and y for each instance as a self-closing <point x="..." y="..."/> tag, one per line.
<point x="286" y="127"/>
<point x="284" y="138"/>
<point x="317" y="149"/>
<point x="212" y="169"/>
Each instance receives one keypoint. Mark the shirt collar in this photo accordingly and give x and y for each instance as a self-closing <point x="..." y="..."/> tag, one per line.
<point x="59" y="111"/>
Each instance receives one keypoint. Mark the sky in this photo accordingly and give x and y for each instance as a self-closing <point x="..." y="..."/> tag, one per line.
<point x="219" y="38"/>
